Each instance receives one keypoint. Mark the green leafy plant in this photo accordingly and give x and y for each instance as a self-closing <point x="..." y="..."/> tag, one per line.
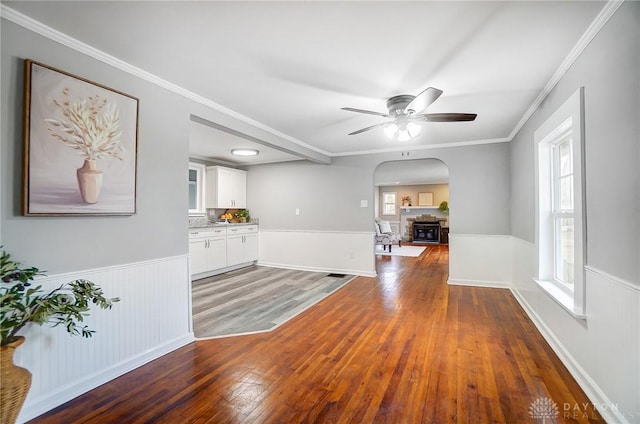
<point x="444" y="207"/>
<point x="242" y="213"/>
<point x="66" y="305"/>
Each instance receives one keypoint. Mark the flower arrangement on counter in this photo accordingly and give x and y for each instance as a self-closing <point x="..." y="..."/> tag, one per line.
<point x="233" y="215"/>
<point x="243" y="215"/>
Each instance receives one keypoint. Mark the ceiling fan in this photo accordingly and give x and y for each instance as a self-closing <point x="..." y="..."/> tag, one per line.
<point x="408" y="114"/>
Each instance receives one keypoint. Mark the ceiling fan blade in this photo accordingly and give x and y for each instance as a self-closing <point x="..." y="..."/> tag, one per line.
<point x="445" y="117"/>
<point x="368" y="128"/>
<point x="369" y="112"/>
<point x="423" y="100"/>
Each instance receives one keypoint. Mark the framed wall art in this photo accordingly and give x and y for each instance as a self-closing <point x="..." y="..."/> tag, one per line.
<point x="80" y="145"/>
<point x="425" y="199"/>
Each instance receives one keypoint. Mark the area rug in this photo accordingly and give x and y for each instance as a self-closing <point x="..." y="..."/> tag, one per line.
<point x="408" y="251"/>
<point x="257" y="299"/>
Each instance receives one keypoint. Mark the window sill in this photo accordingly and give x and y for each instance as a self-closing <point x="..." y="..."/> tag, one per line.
<point x="197" y="214"/>
<point x="560" y="297"/>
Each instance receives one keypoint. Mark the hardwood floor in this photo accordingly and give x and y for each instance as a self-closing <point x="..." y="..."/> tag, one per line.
<point x="400" y="348"/>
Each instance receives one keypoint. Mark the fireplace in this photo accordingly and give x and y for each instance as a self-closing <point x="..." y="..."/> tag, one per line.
<point x="426" y="232"/>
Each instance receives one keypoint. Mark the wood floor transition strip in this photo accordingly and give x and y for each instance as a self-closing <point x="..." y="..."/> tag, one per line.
<point x="257" y="299"/>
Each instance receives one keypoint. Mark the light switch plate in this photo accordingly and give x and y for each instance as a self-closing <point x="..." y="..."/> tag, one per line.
<point x="364" y="203"/>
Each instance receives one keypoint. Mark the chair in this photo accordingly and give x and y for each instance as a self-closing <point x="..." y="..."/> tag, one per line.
<point x="385" y="236"/>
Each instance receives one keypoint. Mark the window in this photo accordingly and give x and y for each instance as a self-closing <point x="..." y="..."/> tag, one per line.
<point x="196" y="189"/>
<point x="560" y="206"/>
<point x="388" y="203"/>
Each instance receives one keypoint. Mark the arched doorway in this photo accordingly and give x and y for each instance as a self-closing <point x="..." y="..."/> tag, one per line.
<point x="408" y="189"/>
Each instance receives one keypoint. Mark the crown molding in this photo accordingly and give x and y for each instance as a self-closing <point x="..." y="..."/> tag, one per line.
<point x="75" y="44"/>
<point x="598" y="23"/>
<point x="31" y="24"/>
<point x="426" y="147"/>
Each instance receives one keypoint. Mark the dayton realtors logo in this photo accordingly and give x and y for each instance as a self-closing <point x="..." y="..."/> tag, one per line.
<point x="543" y="408"/>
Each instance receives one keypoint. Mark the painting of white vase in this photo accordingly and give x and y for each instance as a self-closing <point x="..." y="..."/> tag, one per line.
<point x="80" y="146"/>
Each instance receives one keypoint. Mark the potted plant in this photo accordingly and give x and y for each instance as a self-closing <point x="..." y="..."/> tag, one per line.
<point x="243" y="215"/>
<point x="444" y="208"/>
<point x="21" y="304"/>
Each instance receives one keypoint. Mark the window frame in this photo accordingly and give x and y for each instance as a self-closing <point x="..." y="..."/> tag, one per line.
<point x="200" y="189"/>
<point x="385" y="203"/>
<point x="558" y="212"/>
<point x="566" y="121"/>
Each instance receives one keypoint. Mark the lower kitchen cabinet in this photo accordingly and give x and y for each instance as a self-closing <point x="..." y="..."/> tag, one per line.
<point x="242" y="245"/>
<point x="207" y="250"/>
<point x="216" y="250"/>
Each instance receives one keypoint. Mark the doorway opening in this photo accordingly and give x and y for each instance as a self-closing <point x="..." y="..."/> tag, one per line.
<point x="413" y="197"/>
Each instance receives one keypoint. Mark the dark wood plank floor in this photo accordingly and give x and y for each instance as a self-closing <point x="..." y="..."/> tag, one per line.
<point x="400" y="348"/>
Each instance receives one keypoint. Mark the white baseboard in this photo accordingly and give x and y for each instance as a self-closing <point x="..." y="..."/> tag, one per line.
<point x="608" y="378"/>
<point x="479" y="283"/>
<point x="152" y="318"/>
<point x="596" y="395"/>
<point x="67" y="393"/>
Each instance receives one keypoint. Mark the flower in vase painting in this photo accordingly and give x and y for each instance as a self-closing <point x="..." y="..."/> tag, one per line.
<point x="91" y="126"/>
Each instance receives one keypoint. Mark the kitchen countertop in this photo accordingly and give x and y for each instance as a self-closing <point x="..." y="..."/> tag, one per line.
<point x="219" y="224"/>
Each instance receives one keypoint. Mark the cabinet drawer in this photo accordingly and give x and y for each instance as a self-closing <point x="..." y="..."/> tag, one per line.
<point x="207" y="232"/>
<point x="245" y="229"/>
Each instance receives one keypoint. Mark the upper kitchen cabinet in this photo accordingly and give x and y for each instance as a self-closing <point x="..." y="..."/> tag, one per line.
<point x="225" y="188"/>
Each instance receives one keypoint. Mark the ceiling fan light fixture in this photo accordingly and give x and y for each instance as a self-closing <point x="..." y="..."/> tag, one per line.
<point x="405" y="110"/>
<point x="390" y="130"/>
<point x="403" y="135"/>
<point x="244" y="151"/>
<point x="414" y="129"/>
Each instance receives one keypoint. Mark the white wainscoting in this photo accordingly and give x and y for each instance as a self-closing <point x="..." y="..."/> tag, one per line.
<point x="480" y="260"/>
<point x="321" y="251"/>
<point x="152" y="318"/>
<point x="602" y="351"/>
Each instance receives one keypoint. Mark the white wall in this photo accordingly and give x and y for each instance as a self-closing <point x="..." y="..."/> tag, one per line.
<point x="602" y="352"/>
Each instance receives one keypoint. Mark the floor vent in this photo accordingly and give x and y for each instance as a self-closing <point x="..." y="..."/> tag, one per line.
<point x="337" y="275"/>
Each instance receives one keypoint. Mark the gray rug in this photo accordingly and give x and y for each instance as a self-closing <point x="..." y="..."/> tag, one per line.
<point x="256" y="299"/>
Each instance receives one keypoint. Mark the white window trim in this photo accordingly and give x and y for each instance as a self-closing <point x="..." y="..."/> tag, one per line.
<point x="571" y="113"/>
<point x="200" y="189"/>
<point x="395" y="203"/>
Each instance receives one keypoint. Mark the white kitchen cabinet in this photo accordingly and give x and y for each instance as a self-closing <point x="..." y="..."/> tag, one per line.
<point x="226" y="188"/>
<point x="207" y="249"/>
<point x="198" y="255"/>
<point x="242" y="244"/>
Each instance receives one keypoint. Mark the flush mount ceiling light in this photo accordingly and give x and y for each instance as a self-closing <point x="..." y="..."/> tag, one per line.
<point x="408" y="115"/>
<point x="244" y="152"/>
